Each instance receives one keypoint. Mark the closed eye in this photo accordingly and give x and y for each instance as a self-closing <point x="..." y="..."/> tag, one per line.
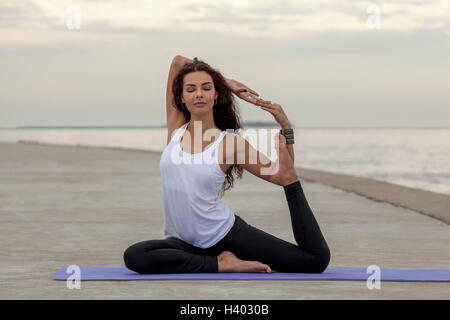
<point x="207" y="89"/>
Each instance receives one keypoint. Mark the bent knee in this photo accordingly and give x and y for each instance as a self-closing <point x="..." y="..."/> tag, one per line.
<point x="322" y="261"/>
<point x="309" y="263"/>
<point x="141" y="259"/>
<point x="133" y="259"/>
<point x="129" y="258"/>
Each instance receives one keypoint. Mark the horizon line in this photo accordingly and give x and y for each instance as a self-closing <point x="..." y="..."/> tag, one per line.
<point x="256" y="124"/>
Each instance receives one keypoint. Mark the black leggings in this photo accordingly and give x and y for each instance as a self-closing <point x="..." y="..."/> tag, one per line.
<point x="173" y="255"/>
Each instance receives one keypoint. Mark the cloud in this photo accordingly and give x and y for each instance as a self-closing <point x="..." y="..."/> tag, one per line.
<point x="24" y="21"/>
<point x="316" y="54"/>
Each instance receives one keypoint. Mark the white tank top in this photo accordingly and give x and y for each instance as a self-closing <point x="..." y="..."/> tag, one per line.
<point x="193" y="211"/>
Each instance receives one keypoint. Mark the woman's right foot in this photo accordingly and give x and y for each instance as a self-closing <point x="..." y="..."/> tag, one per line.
<point x="228" y="262"/>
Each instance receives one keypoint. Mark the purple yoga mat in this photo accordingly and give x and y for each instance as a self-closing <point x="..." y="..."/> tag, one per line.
<point x="124" y="274"/>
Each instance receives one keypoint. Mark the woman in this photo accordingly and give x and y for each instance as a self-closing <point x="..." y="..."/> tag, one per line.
<point x="202" y="233"/>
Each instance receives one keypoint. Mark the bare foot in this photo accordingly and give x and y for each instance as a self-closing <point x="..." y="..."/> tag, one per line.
<point x="286" y="173"/>
<point x="228" y="262"/>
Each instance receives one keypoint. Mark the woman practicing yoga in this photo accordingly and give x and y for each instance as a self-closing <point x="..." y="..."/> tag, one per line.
<point x="202" y="233"/>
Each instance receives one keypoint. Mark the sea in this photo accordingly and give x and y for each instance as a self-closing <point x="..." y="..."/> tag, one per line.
<point x="412" y="157"/>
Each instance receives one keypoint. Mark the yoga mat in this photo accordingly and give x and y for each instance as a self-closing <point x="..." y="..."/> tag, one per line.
<point x="124" y="274"/>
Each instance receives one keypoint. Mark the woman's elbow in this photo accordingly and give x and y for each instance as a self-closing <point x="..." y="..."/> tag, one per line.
<point x="178" y="60"/>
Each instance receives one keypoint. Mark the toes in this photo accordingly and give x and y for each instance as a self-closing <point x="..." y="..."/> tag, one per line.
<point x="264" y="268"/>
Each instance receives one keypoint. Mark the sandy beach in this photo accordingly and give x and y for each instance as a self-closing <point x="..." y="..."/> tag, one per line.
<point x="84" y="206"/>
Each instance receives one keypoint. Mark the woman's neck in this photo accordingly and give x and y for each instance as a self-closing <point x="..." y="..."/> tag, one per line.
<point x="201" y="125"/>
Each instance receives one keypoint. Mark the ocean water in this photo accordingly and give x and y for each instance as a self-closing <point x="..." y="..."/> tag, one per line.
<point x="418" y="158"/>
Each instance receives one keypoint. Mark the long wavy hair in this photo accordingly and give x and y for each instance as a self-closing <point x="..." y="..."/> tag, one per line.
<point x="225" y="112"/>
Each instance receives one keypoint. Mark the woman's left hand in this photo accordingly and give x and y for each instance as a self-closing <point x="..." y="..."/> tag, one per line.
<point x="243" y="92"/>
<point x="277" y="111"/>
<point x="251" y="96"/>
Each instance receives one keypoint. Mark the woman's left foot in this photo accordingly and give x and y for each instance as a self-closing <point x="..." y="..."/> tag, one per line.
<point x="228" y="262"/>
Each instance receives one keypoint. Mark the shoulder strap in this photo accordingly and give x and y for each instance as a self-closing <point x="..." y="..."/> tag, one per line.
<point x="216" y="143"/>
<point x="179" y="132"/>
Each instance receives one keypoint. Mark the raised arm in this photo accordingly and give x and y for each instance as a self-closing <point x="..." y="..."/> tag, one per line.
<point x="174" y="117"/>
<point x="175" y="67"/>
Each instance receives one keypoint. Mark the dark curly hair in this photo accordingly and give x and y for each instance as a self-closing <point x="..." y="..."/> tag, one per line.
<point x="226" y="115"/>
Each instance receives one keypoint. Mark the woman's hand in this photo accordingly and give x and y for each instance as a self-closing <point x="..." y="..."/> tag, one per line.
<point x="243" y="92"/>
<point x="251" y="96"/>
<point x="277" y="112"/>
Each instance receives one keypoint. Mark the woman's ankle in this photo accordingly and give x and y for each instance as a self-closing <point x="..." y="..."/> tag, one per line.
<point x="289" y="178"/>
<point x="291" y="190"/>
<point x="288" y="183"/>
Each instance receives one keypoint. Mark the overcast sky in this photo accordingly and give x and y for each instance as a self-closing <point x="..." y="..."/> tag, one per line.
<point x="328" y="63"/>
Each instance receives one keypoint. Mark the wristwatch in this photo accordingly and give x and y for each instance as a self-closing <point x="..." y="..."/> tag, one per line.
<point x="289" y="135"/>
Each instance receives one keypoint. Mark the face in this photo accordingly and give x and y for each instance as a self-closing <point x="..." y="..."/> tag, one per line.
<point x="198" y="86"/>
